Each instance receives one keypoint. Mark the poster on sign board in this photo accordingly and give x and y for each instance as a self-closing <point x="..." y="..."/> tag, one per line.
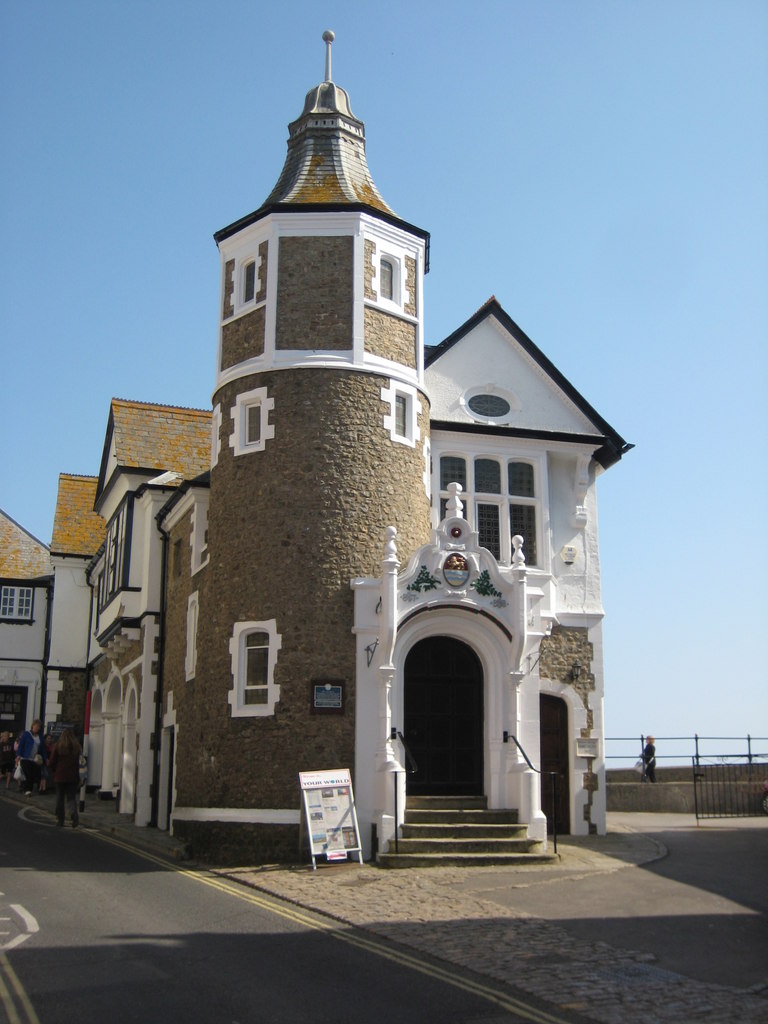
<point x="329" y="806"/>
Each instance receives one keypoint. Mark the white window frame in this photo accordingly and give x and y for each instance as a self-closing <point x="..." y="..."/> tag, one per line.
<point x="193" y="614"/>
<point x="239" y="659"/>
<point x="240" y="411"/>
<point x="241" y="304"/>
<point x="390" y="395"/>
<point x="247" y="300"/>
<point x="16" y="603"/>
<point x="491" y="389"/>
<point x="505" y="500"/>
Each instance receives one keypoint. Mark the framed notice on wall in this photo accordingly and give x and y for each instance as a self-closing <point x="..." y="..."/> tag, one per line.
<point x="329" y="806"/>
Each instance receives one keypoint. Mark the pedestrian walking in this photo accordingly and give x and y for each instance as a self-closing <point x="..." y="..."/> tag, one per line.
<point x="649" y="759"/>
<point x="64" y="769"/>
<point x="31" y="754"/>
<point x="44" y="776"/>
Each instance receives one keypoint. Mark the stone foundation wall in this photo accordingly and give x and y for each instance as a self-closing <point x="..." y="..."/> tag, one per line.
<point x="228" y="845"/>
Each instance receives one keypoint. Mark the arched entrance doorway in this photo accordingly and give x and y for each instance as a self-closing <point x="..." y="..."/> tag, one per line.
<point x="554" y="758"/>
<point x="443" y="692"/>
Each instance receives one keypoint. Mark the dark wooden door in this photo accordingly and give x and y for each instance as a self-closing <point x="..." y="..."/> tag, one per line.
<point x="554" y="758"/>
<point x="13" y="709"/>
<point x="444" y="717"/>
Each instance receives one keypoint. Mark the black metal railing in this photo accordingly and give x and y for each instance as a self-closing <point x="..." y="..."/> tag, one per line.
<point x="729" y="790"/>
<point x="680" y="749"/>
<point x="552" y="775"/>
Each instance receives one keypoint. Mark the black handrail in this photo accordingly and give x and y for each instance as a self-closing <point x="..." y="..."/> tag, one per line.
<point x="410" y="759"/>
<point x="554" y="787"/>
<point x="411" y="769"/>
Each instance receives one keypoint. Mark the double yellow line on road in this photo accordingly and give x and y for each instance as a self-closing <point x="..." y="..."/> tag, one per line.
<point x="351" y="935"/>
<point x="13" y="997"/>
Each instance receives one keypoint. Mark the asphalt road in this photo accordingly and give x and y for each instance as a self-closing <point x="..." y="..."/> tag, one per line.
<point x="92" y="930"/>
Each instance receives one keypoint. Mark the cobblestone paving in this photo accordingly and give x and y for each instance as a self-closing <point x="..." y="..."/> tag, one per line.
<point x="419" y="909"/>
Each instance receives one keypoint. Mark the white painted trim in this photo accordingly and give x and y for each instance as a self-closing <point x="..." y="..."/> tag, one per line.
<point x="255" y="816"/>
<point x="413" y="408"/>
<point x="239" y="413"/>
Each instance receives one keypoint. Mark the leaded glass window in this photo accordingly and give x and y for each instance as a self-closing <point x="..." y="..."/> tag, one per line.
<point x="489" y="406"/>
<point x="488" y="530"/>
<point x="487" y="476"/>
<point x="522" y="521"/>
<point x="452" y="470"/>
<point x="521" y="479"/>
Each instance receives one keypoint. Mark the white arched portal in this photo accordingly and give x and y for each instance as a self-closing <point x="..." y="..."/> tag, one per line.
<point x="112" y="744"/>
<point x="128" y="774"/>
<point x="505" y="707"/>
<point x="96" y="740"/>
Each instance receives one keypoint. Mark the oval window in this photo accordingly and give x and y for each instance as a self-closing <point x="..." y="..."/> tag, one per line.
<point x="489" y="406"/>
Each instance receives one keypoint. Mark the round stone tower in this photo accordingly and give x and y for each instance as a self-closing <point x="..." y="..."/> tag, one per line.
<point x="320" y="441"/>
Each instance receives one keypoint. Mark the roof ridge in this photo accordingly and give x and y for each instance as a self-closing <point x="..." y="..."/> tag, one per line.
<point x="136" y="404"/>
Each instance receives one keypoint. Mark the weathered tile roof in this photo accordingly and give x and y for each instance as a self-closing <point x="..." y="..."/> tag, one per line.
<point x="22" y="556"/>
<point x="162" y="437"/>
<point x="77" y="529"/>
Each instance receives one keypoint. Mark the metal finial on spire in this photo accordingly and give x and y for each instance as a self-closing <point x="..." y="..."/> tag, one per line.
<point x="328" y="38"/>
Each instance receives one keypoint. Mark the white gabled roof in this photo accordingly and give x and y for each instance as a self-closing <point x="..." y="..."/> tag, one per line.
<point x="490" y="354"/>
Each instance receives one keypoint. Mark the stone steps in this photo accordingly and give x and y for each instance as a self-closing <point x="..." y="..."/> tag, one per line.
<point x="457" y="831"/>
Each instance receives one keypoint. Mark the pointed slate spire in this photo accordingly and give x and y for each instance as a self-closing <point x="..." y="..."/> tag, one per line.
<point x="326" y="160"/>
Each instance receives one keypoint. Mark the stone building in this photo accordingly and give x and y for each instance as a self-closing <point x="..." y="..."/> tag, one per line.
<point x="368" y="554"/>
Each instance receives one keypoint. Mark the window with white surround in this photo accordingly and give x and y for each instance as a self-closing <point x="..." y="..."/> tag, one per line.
<point x="402" y="418"/>
<point x="386" y="278"/>
<point x="16" y="603"/>
<point x="389" y="283"/>
<point x="190" y="660"/>
<point x="117" y="552"/>
<point x="490" y="404"/>
<point x="250" y="419"/>
<point x="249" y="281"/>
<point x="500" y="501"/>
<point x="246" y="282"/>
<point x="253" y="650"/>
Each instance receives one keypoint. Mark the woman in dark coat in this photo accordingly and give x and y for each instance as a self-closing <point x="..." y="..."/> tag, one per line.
<point x="64" y="769"/>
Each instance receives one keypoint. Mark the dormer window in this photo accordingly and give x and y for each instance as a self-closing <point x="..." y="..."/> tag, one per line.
<point x="249" y="281"/>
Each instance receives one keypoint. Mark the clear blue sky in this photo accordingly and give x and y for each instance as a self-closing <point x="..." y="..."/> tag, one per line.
<point x="600" y="167"/>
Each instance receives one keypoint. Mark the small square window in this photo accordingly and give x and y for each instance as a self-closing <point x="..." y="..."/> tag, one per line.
<point x="249" y="282"/>
<point x="253" y="424"/>
<point x="250" y="419"/>
<point x="401" y="416"/>
<point x="386" y="279"/>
